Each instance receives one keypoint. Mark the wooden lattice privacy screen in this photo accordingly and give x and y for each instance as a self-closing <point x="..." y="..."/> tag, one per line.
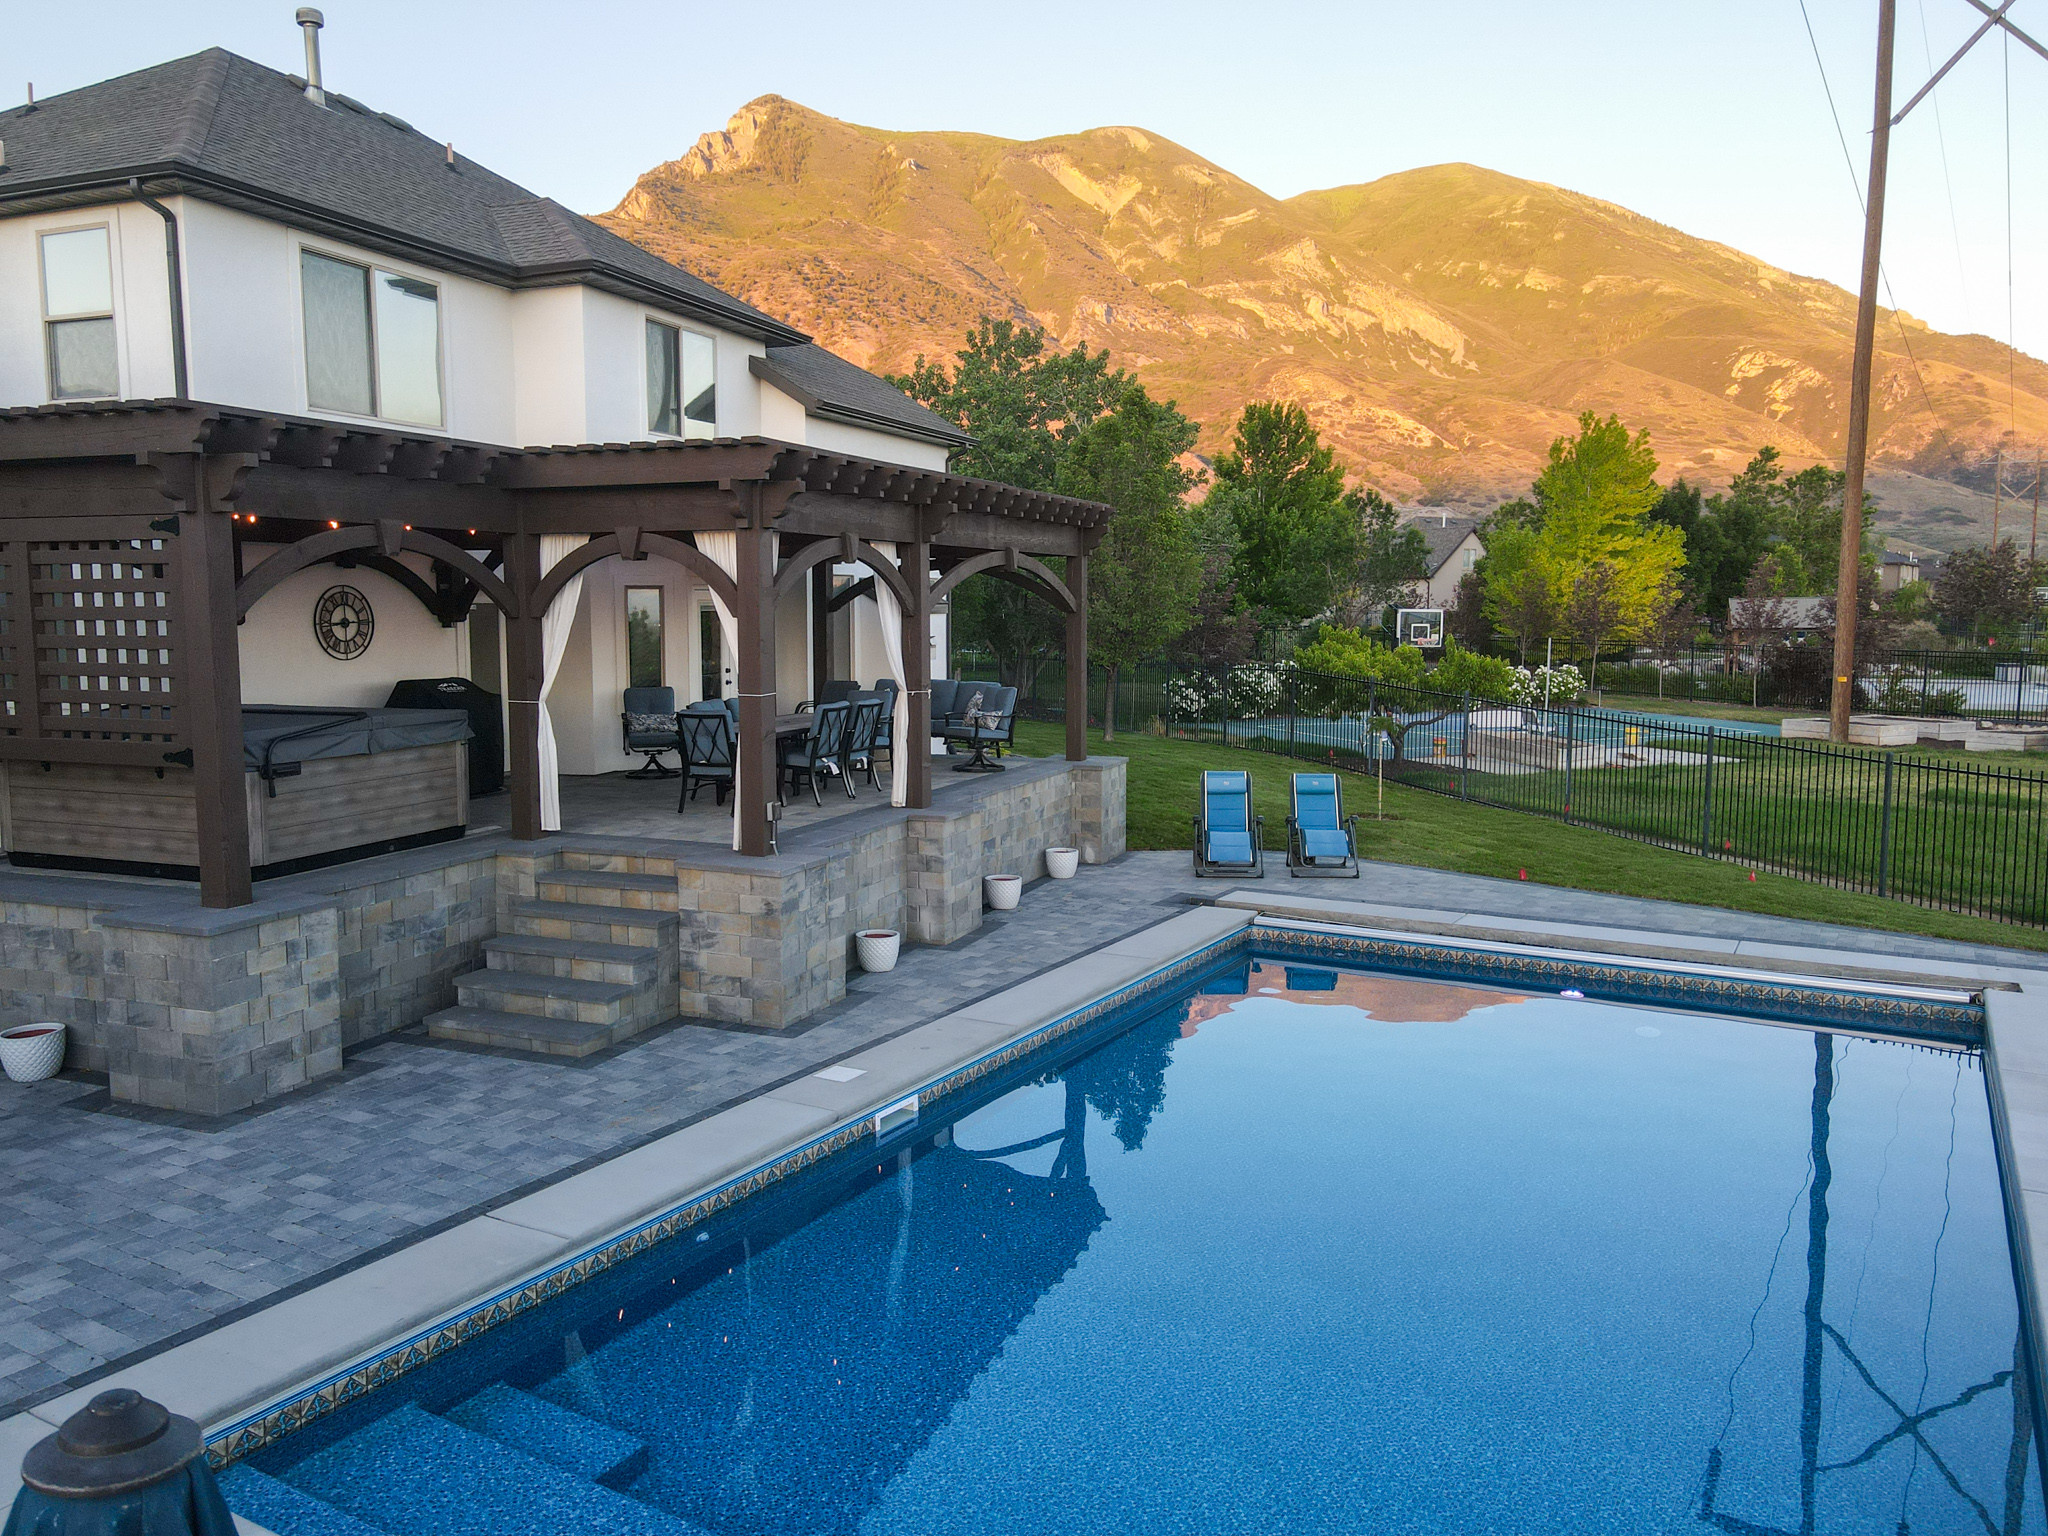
<point x="87" y="640"/>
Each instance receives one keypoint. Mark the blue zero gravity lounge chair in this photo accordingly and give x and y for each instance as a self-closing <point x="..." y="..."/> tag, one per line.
<point x="1227" y="834"/>
<point x="1321" y="839"/>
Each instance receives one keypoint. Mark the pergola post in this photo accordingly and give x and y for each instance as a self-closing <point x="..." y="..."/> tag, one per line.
<point x="821" y="627"/>
<point x="525" y="671"/>
<point x="211" y="715"/>
<point x="1077" y="661"/>
<point x="915" y="560"/>
<point x="757" y="769"/>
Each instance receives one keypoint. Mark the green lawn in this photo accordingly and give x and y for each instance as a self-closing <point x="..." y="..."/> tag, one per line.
<point x="1436" y="832"/>
<point x="1650" y="704"/>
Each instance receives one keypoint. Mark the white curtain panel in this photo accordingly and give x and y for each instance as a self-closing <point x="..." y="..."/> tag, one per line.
<point x="555" y="625"/>
<point x="724" y="551"/>
<point x="891" y="612"/>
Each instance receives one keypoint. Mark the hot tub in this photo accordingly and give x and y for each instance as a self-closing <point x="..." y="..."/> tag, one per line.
<point x="323" y="786"/>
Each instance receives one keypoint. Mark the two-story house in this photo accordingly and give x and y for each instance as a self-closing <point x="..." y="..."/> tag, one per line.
<point x="213" y="230"/>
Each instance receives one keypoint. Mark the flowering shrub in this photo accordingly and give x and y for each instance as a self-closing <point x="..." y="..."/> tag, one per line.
<point x="1564" y="682"/>
<point x="1191" y="696"/>
<point x="1255" y="690"/>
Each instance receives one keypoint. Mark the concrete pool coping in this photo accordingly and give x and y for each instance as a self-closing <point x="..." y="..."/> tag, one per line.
<point x="243" y="1369"/>
<point x="274" y="1356"/>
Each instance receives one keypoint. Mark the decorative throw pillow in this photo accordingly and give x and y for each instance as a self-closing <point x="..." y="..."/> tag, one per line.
<point x="644" y="725"/>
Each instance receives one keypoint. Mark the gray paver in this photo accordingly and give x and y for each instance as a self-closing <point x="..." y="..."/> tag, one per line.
<point x="148" y="1230"/>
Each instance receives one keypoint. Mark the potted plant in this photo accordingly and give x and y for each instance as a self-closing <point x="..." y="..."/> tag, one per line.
<point x="878" y="948"/>
<point x="1061" y="863"/>
<point x="1002" y="891"/>
<point x="31" y="1052"/>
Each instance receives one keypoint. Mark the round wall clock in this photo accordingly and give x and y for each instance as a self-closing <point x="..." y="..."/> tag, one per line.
<point x="343" y="623"/>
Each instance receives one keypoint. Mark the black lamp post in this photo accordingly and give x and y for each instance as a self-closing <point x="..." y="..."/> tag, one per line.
<point x="120" y="1466"/>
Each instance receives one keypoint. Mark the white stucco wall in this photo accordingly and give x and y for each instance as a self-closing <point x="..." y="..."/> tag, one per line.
<point x="873" y="445"/>
<point x="142" y="304"/>
<point x="282" y="662"/>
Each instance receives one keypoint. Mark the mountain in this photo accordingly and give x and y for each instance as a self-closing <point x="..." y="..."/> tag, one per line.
<point x="1441" y="325"/>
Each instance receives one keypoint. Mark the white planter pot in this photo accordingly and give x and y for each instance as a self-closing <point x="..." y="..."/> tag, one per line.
<point x="1001" y="891"/>
<point x="1061" y="863"/>
<point x="31" y="1052"/>
<point x="878" y="948"/>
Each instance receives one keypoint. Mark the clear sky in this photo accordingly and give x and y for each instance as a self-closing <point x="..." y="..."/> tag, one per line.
<point x="1704" y="114"/>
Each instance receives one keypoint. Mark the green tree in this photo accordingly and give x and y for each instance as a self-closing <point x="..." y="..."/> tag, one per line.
<point x="1605" y="561"/>
<point x="1298" y="542"/>
<point x="1142" y="576"/>
<point x="1024" y="406"/>
<point x="1980" y="590"/>
<point x="1221" y="630"/>
<point x="1393" y="555"/>
<point x="1517" y="597"/>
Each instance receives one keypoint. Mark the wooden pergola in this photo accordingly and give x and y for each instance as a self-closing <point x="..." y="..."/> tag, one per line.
<point x="121" y="580"/>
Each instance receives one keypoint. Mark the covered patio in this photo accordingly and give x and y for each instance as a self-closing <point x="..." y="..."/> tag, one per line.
<point x="174" y="498"/>
<point x="161" y="566"/>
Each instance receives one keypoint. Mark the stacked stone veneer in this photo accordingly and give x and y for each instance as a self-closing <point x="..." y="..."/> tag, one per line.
<point x="214" y="1011"/>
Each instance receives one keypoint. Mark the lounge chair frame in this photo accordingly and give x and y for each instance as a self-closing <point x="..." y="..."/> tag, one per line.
<point x="1320" y="866"/>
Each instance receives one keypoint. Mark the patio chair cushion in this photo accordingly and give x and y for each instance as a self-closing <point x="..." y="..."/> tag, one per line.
<point x="650" y="730"/>
<point x="1322" y="843"/>
<point x="1229" y="847"/>
<point x="1315" y="801"/>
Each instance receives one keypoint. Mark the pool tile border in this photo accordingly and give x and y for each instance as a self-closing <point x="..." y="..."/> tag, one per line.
<point x="1951" y="1023"/>
<point x="273" y="1423"/>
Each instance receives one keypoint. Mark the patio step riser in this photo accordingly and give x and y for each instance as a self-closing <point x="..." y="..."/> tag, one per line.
<point x="605" y="888"/>
<point x="565" y="1008"/>
<point x="523" y="1032"/>
<point x="618" y="863"/>
<point x="624" y="973"/>
<point x="587" y="923"/>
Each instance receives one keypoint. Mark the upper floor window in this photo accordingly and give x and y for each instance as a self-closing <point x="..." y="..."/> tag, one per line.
<point x="78" y="314"/>
<point x="682" y="389"/>
<point x="373" y="341"/>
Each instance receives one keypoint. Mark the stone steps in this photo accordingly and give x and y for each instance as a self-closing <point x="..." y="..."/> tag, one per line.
<point x="608" y="888"/>
<point x="584" y="959"/>
<point x="554" y="997"/>
<point x="522" y="1031"/>
<point x="595" y="922"/>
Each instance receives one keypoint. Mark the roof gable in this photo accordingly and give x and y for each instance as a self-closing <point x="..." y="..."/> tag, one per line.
<point x="220" y="127"/>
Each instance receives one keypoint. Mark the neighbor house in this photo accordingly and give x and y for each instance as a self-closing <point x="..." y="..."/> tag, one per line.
<point x="1455" y="548"/>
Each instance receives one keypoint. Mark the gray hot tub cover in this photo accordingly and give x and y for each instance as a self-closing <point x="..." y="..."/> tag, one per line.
<point x="317" y="732"/>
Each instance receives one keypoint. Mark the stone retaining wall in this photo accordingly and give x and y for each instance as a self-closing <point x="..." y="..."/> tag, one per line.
<point x="214" y="1011"/>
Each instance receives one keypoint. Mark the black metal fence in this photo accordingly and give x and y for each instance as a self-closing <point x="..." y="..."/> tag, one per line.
<point x="1955" y="836"/>
<point x="1980" y="684"/>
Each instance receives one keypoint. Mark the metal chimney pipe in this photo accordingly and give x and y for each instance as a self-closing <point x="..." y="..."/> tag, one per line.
<point x="312" y="21"/>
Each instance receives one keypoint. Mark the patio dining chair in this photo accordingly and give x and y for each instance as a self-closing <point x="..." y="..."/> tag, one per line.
<point x="1227" y="834"/>
<point x="707" y="736"/>
<point x="858" y="755"/>
<point x="1321" y="839"/>
<point x="834" y="690"/>
<point x="817" y="752"/>
<point x="648" y="718"/>
<point x="887" y="689"/>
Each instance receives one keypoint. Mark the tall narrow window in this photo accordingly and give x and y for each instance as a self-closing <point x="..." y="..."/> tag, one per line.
<point x="373" y="341"/>
<point x="643" y="637"/>
<point x="78" y="315"/>
<point x="664" y="379"/>
<point x="700" y="386"/>
<point x="682" y="382"/>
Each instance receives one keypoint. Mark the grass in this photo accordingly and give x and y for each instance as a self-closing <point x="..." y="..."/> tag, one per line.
<point x="1434" y="832"/>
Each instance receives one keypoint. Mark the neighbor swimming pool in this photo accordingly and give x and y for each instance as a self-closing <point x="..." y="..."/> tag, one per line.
<point x="1306" y="1249"/>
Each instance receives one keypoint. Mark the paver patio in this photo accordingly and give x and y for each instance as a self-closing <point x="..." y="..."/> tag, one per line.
<point x="122" y="1230"/>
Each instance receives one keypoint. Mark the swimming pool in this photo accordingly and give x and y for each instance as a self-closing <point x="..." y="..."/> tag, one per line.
<point x="1306" y="1248"/>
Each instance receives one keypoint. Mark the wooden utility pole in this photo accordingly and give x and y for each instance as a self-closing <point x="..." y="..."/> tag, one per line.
<point x="2034" y="542"/>
<point x="1997" y="494"/>
<point x="1844" y="696"/>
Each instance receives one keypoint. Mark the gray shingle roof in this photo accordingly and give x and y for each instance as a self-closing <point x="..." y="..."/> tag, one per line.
<point x="832" y="388"/>
<point x="1443" y="537"/>
<point x="220" y="127"/>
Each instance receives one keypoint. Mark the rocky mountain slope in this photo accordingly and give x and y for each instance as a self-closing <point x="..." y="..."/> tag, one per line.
<point x="1441" y="325"/>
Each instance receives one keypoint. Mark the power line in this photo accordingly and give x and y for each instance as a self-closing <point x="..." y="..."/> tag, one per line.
<point x="1856" y="184"/>
<point x="1955" y="227"/>
<point x="2012" y="407"/>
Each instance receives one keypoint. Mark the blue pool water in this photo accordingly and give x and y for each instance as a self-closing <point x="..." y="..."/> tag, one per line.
<point x="1306" y="1251"/>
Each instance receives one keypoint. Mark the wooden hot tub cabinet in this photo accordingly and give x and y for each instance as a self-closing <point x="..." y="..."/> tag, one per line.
<point x="311" y="812"/>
